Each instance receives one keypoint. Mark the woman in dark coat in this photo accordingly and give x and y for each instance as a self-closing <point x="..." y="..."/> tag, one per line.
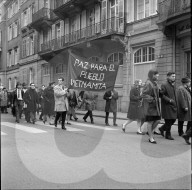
<point x="49" y="103"/>
<point x="134" y="110"/>
<point x="151" y="103"/>
<point x="184" y="104"/>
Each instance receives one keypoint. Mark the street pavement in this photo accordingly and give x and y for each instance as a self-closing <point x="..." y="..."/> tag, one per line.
<point x="90" y="156"/>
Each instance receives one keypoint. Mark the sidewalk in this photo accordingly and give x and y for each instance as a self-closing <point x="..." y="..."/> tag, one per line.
<point x="120" y="115"/>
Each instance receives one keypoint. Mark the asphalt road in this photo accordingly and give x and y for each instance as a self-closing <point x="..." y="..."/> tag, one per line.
<point x="90" y="156"/>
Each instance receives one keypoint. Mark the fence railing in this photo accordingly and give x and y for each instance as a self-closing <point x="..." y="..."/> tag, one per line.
<point x="170" y="8"/>
<point x="110" y="26"/>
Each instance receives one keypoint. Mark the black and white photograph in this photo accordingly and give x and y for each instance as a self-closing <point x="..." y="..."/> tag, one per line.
<point x="95" y="94"/>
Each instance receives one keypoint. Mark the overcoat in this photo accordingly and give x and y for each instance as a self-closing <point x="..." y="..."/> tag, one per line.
<point x="61" y="101"/>
<point x="31" y="99"/>
<point x="151" y="102"/>
<point x="14" y="96"/>
<point x="111" y="104"/>
<point x="169" y="110"/>
<point x="134" y="110"/>
<point x="4" y="98"/>
<point x="49" y="101"/>
<point x="90" y="100"/>
<point x="184" y="101"/>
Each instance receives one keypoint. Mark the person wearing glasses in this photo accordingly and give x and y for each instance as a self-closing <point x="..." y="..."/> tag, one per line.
<point x="32" y="100"/>
<point x="61" y="102"/>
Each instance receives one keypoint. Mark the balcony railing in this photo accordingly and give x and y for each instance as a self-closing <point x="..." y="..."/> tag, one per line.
<point x="171" y="8"/>
<point x="107" y="27"/>
<point x="59" y="3"/>
<point x="43" y="13"/>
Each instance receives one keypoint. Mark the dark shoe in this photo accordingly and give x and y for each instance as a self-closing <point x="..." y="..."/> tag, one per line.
<point x="40" y="119"/>
<point x="76" y="119"/>
<point x="155" y="133"/>
<point x="44" y="122"/>
<point x="169" y="137"/>
<point x="68" y="123"/>
<point x="92" y="122"/>
<point x="181" y="133"/>
<point x="153" y="142"/>
<point x="140" y="133"/>
<point x="33" y="122"/>
<point x="115" y="125"/>
<point x="161" y="132"/>
<point x="64" y="128"/>
<point x="107" y="124"/>
<point x="84" y="120"/>
<point x="55" y="125"/>
<point x="186" y="138"/>
<point x="17" y="121"/>
<point x="123" y="129"/>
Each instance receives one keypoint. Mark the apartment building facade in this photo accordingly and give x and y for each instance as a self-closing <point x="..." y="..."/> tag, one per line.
<point x="134" y="32"/>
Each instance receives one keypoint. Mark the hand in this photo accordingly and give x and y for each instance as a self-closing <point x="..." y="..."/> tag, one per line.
<point x="11" y="105"/>
<point x="110" y="97"/>
<point x="186" y="109"/>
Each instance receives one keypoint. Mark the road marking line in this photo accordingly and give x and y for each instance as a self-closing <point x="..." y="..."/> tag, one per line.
<point x="72" y="129"/>
<point x="93" y="126"/>
<point x="28" y="129"/>
<point x="2" y="133"/>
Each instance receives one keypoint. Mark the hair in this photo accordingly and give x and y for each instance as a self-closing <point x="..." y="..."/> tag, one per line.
<point x="31" y="83"/>
<point x="136" y="82"/>
<point x="24" y="84"/>
<point x="51" y="83"/>
<point x="61" y="78"/>
<point x="18" y="84"/>
<point x="170" y="73"/>
<point x="185" y="80"/>
<point x="151" y="73"/>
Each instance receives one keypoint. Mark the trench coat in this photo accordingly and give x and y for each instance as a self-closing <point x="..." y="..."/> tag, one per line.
<point x="49" y="101"/>
<point x="61" y="100"/>
<point x="134" y="110"/>
<point x="169" y="110"/>
<point x="4" y="98"/>
<point x="31" y="99"/>
<point x="89" y="100"/>
<point x="151" y="104"/>
<point x="111" y="104"/>
<point x="184" y="101"/>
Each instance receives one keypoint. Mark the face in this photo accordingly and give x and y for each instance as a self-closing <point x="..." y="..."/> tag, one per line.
<point x="53" y="85"/>
<point x="19" y="86"/>
<point x="140" y="82"/>
<point x="24" y="87"/>
<point x="32" y="86"/>
<point x="188" y="84"/>
<point x="156" y="77"/>
<point x="60" y="81"/>
<point x="172" y="77"/>
<point x="43" y="87"/>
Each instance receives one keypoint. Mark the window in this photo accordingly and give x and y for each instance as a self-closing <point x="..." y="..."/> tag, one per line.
<point x="94" y="58"/>
<point x="9" y="58"/>
<point x="25" y="18"/>
<point x="59" y="69"/>
<point x="10" y="32"/>
<point x="31" y="51"/>
<point x="15" y="81"/>
<point x="30" y="75"/>
<point x="9" y="83"/>
<point x="15" y="29"/>
<point x="144" y="60"/>
<point x="46" y="70"/>
<point x="115" y="57"/>
<point x="24" y="47"/>
<point x="58" y="30"/>
<point x="16" y="56"/>
<point x="146" y="8"/>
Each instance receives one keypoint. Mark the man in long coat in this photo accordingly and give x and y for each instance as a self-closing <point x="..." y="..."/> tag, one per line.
<point x="61" y="102"/>
<point x="184" y="105"/>
<point x="111" y="105"/>
<point x="168" y="105"/>
<point x="32" y="100"/>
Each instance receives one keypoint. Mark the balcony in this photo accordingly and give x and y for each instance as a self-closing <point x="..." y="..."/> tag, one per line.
<point x="102" y="29"/>
<point x="173" y="11"/>
<point x="68" y="8"/>
<point x="43" y="19"/>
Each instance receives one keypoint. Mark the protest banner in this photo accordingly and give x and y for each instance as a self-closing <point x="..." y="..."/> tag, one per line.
<point x="89" y="75"/>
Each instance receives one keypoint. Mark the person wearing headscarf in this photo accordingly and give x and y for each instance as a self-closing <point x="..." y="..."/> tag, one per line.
<point x="4" y="100"/>
<point x="135" y="110"/>
<point x="151" y="103"/>
<point x="168" y="105"/>
<point x="184" y="107"/>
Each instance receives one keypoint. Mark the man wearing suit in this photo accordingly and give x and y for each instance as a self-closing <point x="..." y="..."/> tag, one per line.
<point x="168" y="105"/>
<point x="17" y="101"/>
<point x="61" y="102"/>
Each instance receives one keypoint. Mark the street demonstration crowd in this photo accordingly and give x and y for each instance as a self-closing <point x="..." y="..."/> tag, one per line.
<point x="148" y="104"/>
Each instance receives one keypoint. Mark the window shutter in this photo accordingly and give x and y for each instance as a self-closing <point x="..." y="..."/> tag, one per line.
<point x="104" y="16"/>
<point x="12" y="57"/>
<point x="83" y="24"/>
<point x="121" y="16"/>
<point x="62" y="27"/>
<point x="41" y="4"/>
<point x="21" y="20"/>
<point x="78" y="20"/>
<point x="7" y="59"/>
<point x="18" y="53"/>
<point x="27" y="47"/>
<point x="97" y="18"/>
<point x="153" y="7"/>
<point x="130" y="11"/>
<point x="53" y="31"/>
<point x="66" y="30"/>
<point x="41" y="39"/>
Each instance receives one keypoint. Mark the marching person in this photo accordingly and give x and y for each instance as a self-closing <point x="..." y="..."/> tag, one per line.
<point x="135" y="110"/>
<point x="90" y="100"/>
<point x="25" y="110"/>
<point x="72" y="98"/>
<point x="61" y="102"/>
<point x="4" y="100"/>
<point x="17" y="101"/>
<point x="111" y="106"/>
<point x="184" y="106"/>
<point x="168" y="105"/>
<point x="32" y="101"/>
<point x="41" y="101"/>
<point x="151" y="103"/>
<point x="49" y="103"/>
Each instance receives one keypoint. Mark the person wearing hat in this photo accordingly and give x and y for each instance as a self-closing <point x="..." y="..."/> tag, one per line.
<point x="168" y="105"/>
<point x="17" y="101"/>
<point x="184" y="107"/>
